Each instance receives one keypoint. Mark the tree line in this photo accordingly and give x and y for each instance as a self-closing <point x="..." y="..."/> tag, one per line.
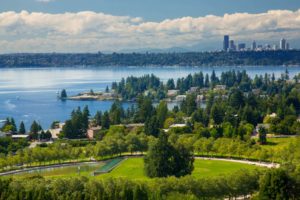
<point x="252" y="58"/>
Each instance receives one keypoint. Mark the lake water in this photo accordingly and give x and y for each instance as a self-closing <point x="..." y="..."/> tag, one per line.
<point x="31" y="94"/>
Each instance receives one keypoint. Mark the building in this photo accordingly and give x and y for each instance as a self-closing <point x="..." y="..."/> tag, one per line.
<point x="133" y="126"/>
<point x="20" y="136"/>
<point x="91" y="132"/>
<point x="253" y="46"/>
<point x="180" y="97"/>
<point x="226" y="43"/>
<point x="232" y="46"/>
<point x="220" y="88"/>
<point x="200" y="98"/>
<point x="282" y="44"/>
<point x="56" y="131"/>
<point x="287" y="46"/>
<point x="172" y="93"/>
<point x="241" y="46"/>
<point x="275" y="47"/>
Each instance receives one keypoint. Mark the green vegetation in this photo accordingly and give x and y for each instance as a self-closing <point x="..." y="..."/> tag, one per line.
<point x="290" y="57"/>
<point x="133" y="169"/>
<point x="239" y="115"/>
<point x="163" y="159"/>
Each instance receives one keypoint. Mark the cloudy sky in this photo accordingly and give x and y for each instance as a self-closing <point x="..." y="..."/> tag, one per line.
<point x="115" y="25"/>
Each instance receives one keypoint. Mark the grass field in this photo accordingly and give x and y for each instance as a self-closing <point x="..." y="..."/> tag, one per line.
<point x="133" y="168"/>
<point x="278" y="143"/>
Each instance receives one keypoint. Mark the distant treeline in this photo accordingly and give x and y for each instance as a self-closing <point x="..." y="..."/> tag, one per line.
<point x="291" y="57"/>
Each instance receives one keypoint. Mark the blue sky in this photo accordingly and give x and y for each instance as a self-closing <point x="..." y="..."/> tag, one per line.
<point x="154" y="10"/>
<point x="118" y="25"/>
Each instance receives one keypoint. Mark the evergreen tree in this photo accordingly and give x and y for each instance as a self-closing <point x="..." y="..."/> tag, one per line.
<point x="262" y="135"/>
<point x="63" y="94"/>
<point x="105" y="121"/>
<point x="162" y="111"/>
<point x="275" y="184"/>
<point x="22" y="129"/>
<point x="163" y="160"/>
<point x="152" y="126"/>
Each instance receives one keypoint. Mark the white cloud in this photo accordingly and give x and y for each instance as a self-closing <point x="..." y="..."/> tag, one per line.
<point x="89" y="31"/>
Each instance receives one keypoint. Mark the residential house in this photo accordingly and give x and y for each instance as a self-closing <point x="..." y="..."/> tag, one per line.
<point x="91" y="132"/>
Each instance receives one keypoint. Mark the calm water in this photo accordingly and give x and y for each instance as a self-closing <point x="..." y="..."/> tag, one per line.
<point x="30" y="94"/>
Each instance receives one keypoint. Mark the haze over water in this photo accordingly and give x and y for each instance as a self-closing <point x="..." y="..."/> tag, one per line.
<point x="29" y="94"/>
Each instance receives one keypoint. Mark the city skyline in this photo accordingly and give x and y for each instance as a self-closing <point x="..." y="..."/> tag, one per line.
<point x="232" y="45"/>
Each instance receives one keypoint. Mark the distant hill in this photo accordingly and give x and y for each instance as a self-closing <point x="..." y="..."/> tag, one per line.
<point x="291" y="57"/>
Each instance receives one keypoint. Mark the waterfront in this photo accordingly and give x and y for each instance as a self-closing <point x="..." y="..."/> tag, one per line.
<point x="30" y="94"/>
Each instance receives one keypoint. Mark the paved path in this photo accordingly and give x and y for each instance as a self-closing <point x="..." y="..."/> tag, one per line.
<point x="257" y="163"/>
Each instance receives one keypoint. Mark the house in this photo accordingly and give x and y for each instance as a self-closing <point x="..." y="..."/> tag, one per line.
<point x="91" y="132"/>
<point x="192" y="90"/>
<point x="220" y="88"/>
<point x="56" y="131"/>
<point x="273" y="115"/>
<point x="180" y="97"/>
<point x="136" y="125"/>
<point x="172" y="93"/>
<point x="200" y="98"/>
<point x="20" y="136"/>
<point x="2" y="134"/>
<point x="178" y="125"/>
<point x="256" y="91"/>
<point x="203" y="90"/>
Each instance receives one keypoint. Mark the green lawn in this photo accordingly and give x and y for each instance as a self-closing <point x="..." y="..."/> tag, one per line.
<point x="277" y="143"/>
<point x="133" y="168"/>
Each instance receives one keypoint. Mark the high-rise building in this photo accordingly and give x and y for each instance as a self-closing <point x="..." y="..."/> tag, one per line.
<point x="287" y="46"/>
<point x="232" y="46"/>
<point x="253" y="47"/>
<point x="241" y="46"/>
<point x="226" y="43"/>
<point x="282" y="44"/>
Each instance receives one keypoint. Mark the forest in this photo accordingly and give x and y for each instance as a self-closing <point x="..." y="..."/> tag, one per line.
<point x="257" y="58"/>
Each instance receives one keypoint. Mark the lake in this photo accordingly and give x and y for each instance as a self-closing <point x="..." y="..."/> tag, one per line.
<point x="31" y="93"/>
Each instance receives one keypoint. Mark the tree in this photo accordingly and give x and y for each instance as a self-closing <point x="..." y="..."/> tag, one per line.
<point x="275" y="184"/>
<point x="105" y="121"/>
<point x="152" y="126"/>
<point x="262" y="135"/>
<point x="22" y="129"/>
<point x="63" y="94"/>
<point x="163" y="160"/>
<point x="162" y="111"/>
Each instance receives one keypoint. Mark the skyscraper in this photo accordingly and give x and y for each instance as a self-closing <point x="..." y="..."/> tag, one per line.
<point x="253" y="47"/>
<point x="226" y="43"/>
<point x="232" y="46"/>
<point x="282" y="44"/>
<point x="287" y="46"/>
<point x="241" y="46"/>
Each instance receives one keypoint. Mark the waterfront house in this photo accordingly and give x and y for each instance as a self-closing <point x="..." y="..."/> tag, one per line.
<point x="91" y="132"/>
<point x="172" y="93"/>
<point x="219" y="88"/>
<point x="180" y="97"/>
<point x="56" y="131"/>
<point x="200" y="98"/>
<point x="20" y="136"/>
